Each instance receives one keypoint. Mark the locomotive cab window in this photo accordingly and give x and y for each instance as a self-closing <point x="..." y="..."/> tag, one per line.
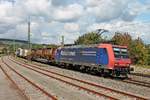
<point x="120" y="52"/>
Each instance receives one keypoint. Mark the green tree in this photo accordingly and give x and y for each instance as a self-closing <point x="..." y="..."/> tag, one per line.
<point x="122" y="39"/>
<point x="11" y="48"/>
<point x="139" y="52"/>
<point x="36" y="46"/>
<point x="148" y="48"/>
<point x="4" y="50"/>
<point x="89" y="38"/>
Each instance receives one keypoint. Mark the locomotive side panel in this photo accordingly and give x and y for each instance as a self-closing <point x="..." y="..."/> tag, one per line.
<point x="94" y="56"/>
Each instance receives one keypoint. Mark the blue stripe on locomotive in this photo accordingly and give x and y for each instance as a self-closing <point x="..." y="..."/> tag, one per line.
<point x="91" y="55"/>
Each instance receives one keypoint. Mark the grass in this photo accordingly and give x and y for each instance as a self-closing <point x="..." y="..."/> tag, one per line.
<point x="1" y="55"/>
<point x="143" y="66"/>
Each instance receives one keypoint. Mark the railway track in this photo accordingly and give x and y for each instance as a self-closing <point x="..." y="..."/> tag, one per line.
<point x="136" y="82"/>
<point x="14" y="83"/>
<point x="88" y="90"/>
<point x="141" y="75"/>
<point x="37" y="87"/>
<point x="42" y="71"/>
<point x="129" y="80"/>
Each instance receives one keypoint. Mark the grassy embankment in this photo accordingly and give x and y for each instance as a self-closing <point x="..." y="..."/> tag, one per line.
<point x="143" y="66"/>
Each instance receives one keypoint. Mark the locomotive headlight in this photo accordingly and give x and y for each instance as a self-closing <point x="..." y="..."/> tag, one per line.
<point x="128" y="64"/>
<point x="116" y="64"/>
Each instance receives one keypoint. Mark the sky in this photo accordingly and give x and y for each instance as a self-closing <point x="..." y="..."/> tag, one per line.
<point x="50" y="19"/>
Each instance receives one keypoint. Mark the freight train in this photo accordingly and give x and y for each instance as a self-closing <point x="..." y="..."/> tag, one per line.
<point x="105" y="59"/>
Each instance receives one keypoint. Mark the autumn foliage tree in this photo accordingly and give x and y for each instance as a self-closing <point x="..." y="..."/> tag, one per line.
<point x="137" y="50"/>
<point x="148" y="48"/>
<point x="122" y="39"/>
<point x="89" y="38"/>
<point x="139" y="53"/>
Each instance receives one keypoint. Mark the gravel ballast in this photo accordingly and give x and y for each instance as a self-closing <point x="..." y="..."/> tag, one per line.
<point x="61" y="90"/>
<point x="138" y="90"/>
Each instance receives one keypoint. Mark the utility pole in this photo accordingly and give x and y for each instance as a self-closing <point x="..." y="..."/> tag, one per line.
<point x="62" y="41"/>
<point x="14" y="41"/>
<point x="29" y="45"/>
<point x="29" y="38"/>
<point x="14" y="45"/>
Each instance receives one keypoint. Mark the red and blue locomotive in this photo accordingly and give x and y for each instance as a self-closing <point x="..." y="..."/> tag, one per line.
<point x="104" y="58"/>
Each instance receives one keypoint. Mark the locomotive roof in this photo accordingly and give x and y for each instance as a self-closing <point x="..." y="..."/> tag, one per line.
<point x="41" y="48"/>
<point x="81" y="46"/>
<point x="85" y="46"/>
<point x="119" y="46"/>
<point x="92" y="45"/>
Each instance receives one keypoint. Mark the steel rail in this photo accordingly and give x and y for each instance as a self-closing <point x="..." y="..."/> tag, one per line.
<point x="141" y="75"/>
<point x="82" y="81"/>
<point x="72" y="84"/>
<point x="15" y="84"/>
<point x="32" y="83"/>
<point x="136" y="82"/>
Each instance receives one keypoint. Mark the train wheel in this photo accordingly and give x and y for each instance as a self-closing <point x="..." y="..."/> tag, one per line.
<point x="102" y="73"/>
<point x="117" y="73"/>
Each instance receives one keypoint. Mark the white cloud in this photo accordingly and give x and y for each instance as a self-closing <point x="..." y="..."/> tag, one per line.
<point x="106" y="10"/>
<point x="93" y="3"/>
<point x="51" y="19"/>
<point x="5" y="8"/>
<point x="37" y="7"/>
<point x="71" y="27"/>
<point x="103" y="7"/>
<point x="69" y="37"/>
<point x="68" y="13"/>
<point x="135" y="29"/>
<point x="45" y="34"/>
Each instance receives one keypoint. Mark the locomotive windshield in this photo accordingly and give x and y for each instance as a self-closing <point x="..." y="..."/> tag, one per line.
<point x="120" y="52"/>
